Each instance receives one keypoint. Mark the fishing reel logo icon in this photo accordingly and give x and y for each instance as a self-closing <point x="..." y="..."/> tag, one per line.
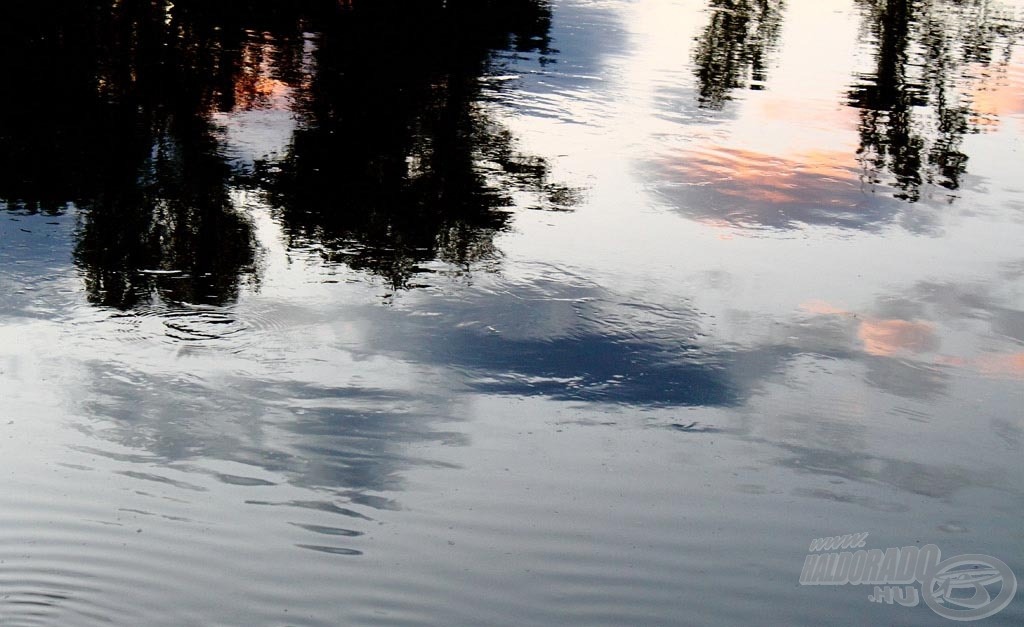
<point x="959" y="587"/>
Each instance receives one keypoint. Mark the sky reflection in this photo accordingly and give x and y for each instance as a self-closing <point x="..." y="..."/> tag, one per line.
<point x="503" y="312"/>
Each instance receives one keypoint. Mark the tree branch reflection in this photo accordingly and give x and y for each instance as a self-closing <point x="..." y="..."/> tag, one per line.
<point x="395" y="161"/>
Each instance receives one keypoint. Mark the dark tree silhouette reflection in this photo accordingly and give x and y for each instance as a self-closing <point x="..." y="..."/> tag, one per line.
<point x="117" y="124"/>
<point x="915" y="109"/>
<point x="394" y="163"/>
<point x="732" y="52"/>
<point x="397" y="162"/>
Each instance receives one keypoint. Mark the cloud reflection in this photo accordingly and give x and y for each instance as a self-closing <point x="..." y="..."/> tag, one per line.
<point x="753" y="189"/>
<point x="940" y="72"/>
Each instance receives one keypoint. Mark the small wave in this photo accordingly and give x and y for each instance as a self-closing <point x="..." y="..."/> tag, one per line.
<point x="193" y="326"/>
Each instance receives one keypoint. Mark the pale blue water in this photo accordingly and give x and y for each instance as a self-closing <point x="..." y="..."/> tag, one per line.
<point x="319" y="316"/>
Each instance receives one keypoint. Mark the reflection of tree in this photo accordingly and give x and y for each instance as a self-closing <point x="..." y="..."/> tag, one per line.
<point x="175" y="217"/>
<point x="732" y="51"/>
<point x="396" y="162"/>
<point x="114" y="120"/>
<point x="914" y="112"/>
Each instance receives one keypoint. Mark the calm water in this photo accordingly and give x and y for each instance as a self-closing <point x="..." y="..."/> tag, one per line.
<point x="593" y="312"/>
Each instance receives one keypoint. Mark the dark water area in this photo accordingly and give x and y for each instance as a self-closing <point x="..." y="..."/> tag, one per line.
<point x="583" y="312"/>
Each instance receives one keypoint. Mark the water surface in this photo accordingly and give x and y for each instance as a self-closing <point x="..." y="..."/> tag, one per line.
<point x="504" y="313"/>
